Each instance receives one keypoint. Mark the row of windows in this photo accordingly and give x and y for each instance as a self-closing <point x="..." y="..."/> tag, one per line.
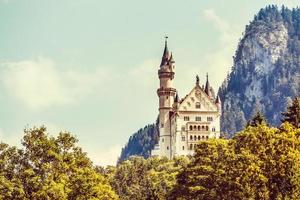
<point x="187" y="118"/>
<point x="191" y="146"/>
<point x="198" y="137"/>
<point x="198" y="128"/>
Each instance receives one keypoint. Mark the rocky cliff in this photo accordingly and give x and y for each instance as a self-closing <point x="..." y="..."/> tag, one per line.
<point x="266" y="71"/>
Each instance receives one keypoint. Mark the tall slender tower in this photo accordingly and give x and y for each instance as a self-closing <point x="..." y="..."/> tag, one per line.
<point x="166" y="93"/>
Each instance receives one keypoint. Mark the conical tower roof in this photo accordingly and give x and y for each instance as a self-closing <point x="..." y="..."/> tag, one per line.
<point x="166" y="54"/>
<point x="207" y="87"/>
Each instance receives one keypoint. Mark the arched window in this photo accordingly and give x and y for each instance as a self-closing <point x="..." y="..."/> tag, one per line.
<point x="199" y="128"/>
<point x="191" y="137"/>
<point x="199" y="137"/>
<point x="207" y="137"/>
<point x="182" y="147"/>
<point x="191" y="128"/>
<point x="202" y="127"/>
<point x="206" y="128"/>
<point x="195" y="137"/>
<point x="195" y="127"/>
<point x="198" y="105"/>
<point x="203" y="137"/>
<point x="195" y="146"/>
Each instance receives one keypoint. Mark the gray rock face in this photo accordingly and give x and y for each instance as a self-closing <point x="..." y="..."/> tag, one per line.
<point x="266" y="71"/>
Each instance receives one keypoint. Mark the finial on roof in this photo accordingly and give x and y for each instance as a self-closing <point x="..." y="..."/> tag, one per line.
<point x="166" y="54"/>
<point x="207" y="86"/>
<point x="197" y="80"/>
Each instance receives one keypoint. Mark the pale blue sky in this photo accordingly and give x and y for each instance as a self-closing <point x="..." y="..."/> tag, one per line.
<point x="90" y="66"/>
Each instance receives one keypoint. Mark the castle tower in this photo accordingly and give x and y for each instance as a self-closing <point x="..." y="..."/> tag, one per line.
<point x="207" y="87"/>
<point x="166" y="93"/>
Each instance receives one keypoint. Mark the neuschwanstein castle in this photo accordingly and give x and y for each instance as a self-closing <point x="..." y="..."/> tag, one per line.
<point x="184" y="122"/>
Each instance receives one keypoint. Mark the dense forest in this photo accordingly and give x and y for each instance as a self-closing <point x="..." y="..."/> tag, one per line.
<point x="141" y="143"/>
<point x="260" y="162"/>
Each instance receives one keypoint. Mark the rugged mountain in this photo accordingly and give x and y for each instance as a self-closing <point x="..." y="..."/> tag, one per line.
<point x="266" y="72"/>
<point x="141" y="143"/>
<point x="265" y="76"/>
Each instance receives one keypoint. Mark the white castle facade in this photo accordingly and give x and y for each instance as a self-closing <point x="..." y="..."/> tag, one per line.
<point x="184" y="122"/>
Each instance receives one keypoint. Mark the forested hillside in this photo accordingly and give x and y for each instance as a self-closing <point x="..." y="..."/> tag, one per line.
<point x="266" y="71"/>
<point x="141" y="143"/>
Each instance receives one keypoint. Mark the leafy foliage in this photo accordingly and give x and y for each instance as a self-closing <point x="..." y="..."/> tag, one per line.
<point x="258" y="163"/>
<point x="141" y="179"/>
<point x="49" y="168"/>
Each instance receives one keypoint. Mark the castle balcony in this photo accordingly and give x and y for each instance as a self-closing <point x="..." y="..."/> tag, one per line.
<point x="166" y="92"/>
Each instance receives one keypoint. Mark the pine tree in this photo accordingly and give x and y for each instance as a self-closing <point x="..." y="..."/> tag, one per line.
<point x="292" y="115"/>
<point x="257" y="119"/>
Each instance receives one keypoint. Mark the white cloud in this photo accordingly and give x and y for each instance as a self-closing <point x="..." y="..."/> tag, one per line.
<point x="220" y="61"/>
<point x="40" y="83"/>
<point x="106" y="157"/>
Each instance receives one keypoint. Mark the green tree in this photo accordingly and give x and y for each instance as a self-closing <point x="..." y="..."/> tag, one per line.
<point x="257" y="120"/>
<point x="205" y="176"/>
<point x="260" y="162"/>
<point x="292" y="115"/>
<point x="50" y="168"/>
<point x="139" y="179"/>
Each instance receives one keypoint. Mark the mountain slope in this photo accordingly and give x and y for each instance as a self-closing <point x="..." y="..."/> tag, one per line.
<point x="141" y="143"/>
<point x="266" y="71"/>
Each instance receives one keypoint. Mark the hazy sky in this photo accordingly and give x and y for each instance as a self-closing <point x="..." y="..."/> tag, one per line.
<point x="90" y="66"/>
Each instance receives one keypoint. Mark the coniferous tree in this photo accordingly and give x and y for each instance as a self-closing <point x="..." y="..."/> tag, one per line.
<point x="257" y="119"/>
<point x="292" y="115"/>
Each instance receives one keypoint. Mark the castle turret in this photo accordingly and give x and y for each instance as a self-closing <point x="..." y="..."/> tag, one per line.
<point x="166" y="94"/>
<point x="218" y="103"/>
<point x="207" y="87"/>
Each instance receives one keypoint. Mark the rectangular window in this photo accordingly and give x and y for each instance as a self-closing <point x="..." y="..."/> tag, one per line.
<point x="183" y="138"/>
<point x="198" y="119"/>
<point x="183" y="128"/>
<point x="209" y="119"/>
<point x="182" y="147"/>
<point x="186" y="118"/>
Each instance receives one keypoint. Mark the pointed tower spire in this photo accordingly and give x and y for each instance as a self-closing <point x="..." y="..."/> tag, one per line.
<point x="197" y="80"/>
<point x="207" y="86"/>
<point x="218" y="102"/>
<point x="166" y="54"/>
<point x="176" y="98"/>
<point x="171" y="60"/>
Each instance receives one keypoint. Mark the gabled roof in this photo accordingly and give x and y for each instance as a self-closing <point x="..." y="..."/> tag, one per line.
<point x="197" y="95"/>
